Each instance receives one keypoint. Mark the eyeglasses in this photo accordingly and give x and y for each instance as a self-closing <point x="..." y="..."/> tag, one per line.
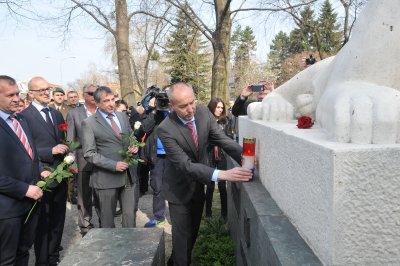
<point x="43" y="90"/>
<point x="90" y="93"/>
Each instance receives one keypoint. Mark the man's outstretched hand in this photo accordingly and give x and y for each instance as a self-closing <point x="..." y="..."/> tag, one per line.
<point x="237" y="174"/>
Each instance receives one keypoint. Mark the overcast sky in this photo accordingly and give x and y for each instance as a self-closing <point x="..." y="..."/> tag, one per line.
<point x="30" y="49"/>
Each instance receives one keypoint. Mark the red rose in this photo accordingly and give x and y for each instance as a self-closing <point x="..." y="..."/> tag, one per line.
<point x="73" y="170"/>
<point x="63" y="127"/>
<point x="305" y="122"/>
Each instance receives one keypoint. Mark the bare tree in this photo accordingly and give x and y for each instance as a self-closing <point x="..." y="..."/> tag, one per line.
<point x="219" y="35"/>
<point x="115" y="19"/>
<point x="18" y="9"/>
<point x="351" y="9"/>
<point x="148" y="35"/>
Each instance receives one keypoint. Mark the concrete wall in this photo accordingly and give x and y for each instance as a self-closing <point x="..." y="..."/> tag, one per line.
<point x="342" y="198"/>
<point x="263" y="235"/>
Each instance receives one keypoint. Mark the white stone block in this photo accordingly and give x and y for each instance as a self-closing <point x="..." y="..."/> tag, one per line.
<point x="343" y="198"/>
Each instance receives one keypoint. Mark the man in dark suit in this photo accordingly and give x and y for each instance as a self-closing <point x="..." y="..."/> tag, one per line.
<point x="112" y="178"/>
<point x="19" y="172"/>
<point x="44" y="123"/>
<point x="185" y="134"/>
<point x="74" y="120"/>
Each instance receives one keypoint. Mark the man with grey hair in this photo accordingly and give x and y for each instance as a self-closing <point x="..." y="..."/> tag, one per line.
<point x="185" y="135"/>
<point x="84" y="191"/>
<point x="112" y="179"/>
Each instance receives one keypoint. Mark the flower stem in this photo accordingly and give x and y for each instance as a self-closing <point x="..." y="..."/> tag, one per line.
<point x="30" y="212"/>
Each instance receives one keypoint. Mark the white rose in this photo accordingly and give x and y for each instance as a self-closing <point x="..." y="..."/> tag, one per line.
<point x="137" y="125"/>
<point x="69" y="159"/>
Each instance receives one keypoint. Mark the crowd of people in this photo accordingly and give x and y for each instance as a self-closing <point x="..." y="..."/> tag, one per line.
<point x="187" y="148"/>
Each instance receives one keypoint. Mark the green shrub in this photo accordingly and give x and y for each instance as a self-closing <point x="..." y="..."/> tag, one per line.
<point x="214" y="245"/>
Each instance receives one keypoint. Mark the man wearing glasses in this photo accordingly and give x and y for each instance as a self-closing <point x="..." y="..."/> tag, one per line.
<point x="44" y="121"/>
<point x="74" y="120"/>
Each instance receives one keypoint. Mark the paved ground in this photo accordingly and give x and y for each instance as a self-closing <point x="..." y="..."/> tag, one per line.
<point x="72" y="236"/>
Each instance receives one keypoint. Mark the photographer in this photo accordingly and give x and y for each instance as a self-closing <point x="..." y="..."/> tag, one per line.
<point x="155" y="153"/>
<point x="262" y="89"/>
<point x="138" y="113"/>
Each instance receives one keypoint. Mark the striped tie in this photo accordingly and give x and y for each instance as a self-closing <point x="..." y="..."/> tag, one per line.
<point x="194" y="133"/>
<point x="21" y="135"/>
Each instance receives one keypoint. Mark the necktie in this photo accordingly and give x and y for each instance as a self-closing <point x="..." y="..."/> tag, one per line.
<point x="48" y="119"/>
<point x="194" y="133"/>
<point x="114" y="125"/>
<point x="21" y="135"/>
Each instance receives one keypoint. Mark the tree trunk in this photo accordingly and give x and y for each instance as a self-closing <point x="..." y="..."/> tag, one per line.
<point x="221" y="47"/>
<point x="123" y="54"/>
<point x="346" y="25"/>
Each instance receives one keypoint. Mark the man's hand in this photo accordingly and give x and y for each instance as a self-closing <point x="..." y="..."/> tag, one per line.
<point x="59" y="149"/>
<point x="45" y="174"/>
<point x="140" y="110"/>
<point x="121" y="166"/>
<point x="152" y="103"/>
<point x="133" y="149"/>
<point x="237" y="174"/>
<point x="34" y="192"/>
<point x="246" y="92"/>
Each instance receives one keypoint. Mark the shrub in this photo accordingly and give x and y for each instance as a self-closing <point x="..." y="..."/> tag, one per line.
<point x="214" y="245"/>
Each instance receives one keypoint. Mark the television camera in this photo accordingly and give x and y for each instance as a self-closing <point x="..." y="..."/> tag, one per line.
<point x="161" y="99"/>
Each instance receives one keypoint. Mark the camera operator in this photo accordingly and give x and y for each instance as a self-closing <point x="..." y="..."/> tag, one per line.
<point x="139" y="113"/>
<point x="262" y="89"/>
<point x="155" y="154"/>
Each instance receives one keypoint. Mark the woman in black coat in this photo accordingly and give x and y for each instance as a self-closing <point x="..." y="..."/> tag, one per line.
<point x="217" y="157"/>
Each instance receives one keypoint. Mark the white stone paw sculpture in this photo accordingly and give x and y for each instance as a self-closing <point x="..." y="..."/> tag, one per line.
<point x="304" y="105"/>
<point x="276" y="108"/>
<point x="360" y="112"/>
<point x="355" y="95"/>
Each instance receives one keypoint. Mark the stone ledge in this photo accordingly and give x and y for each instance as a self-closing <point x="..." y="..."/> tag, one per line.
<point x="118" y="246"/>
<point x="263" y="235"/>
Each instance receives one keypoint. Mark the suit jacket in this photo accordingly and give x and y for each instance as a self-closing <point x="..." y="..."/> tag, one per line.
<point x="185" y="165"/>
<point x="74" y="120"/>
<point x="240" y="106"/>
<point x="17" y="170"/>
<point x="101" y="146"/>
<point x="45" y="138"/>
<point x="64" y="109"/>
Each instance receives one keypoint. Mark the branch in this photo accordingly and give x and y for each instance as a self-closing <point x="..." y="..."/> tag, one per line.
<point x="192" y="16"/>
<point x="240" y="7"/>
<point x="274" y="9"/>
<point x="15" y="7"/>
<point x="106" y="24"/>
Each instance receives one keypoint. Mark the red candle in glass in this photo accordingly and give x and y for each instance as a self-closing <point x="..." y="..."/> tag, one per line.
<point x="249" y="150"/>
<point x="249" y="146"/>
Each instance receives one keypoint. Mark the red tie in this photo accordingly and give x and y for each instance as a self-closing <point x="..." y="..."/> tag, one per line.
<point x="21" y="135"/>
<point x="114" y="125"/>
<point x="194" y="134"/>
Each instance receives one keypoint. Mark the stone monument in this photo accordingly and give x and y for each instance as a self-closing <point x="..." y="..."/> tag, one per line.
<point x="338" y="182"/>
<point x="355" y="95"/>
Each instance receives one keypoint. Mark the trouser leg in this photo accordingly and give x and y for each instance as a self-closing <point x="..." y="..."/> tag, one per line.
<point x="107" y="204"/>
<point x="156" y="175"/>
<point x="84" y="199"/>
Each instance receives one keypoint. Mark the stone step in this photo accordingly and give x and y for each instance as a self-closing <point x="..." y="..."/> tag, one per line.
<point x="118" y="246"/>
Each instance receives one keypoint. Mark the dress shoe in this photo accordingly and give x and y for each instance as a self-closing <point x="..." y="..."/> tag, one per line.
<point x="118" y="212"/>
<point x="85" y="230"/>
